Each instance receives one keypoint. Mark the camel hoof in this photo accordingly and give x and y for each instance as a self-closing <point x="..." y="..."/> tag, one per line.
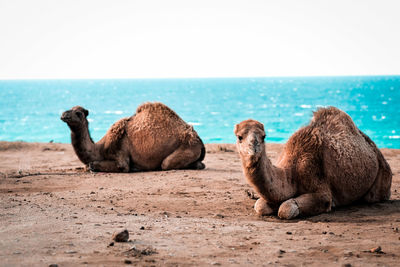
<point x="91" y="167"/>
<point x="262" y="207"/>
<point x="288" y="210"/>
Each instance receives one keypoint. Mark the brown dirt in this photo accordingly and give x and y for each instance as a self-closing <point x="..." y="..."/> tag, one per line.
<point x="53" y="212"/>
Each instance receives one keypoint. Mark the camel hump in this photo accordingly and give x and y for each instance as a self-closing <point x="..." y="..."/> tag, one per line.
<point x="157" y="108"/>
<point x="334" y="120"/>
<point x="329" y="127"/>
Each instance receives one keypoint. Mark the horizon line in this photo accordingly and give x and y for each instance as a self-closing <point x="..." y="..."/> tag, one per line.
<point x="193" y="77"/>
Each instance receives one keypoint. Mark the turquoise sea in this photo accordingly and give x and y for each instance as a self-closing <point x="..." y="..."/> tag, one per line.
<point x="30" y="110"/>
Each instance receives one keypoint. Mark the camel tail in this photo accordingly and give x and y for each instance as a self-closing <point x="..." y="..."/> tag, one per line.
<point x="383" y="181"/>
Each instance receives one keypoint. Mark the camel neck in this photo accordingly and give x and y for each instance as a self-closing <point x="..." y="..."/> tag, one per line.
<point x="83" y="144"/>
<point x="272" y="183"/>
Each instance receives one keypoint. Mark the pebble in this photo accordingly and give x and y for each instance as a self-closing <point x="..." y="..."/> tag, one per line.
<point x="122" y="236"/>
<point x="376" y="250"/>
<point x="127" y="261"/>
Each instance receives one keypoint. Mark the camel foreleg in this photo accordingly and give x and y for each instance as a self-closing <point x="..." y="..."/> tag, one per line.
<point x="109" y="166"/>
<point x="306" y="204"/>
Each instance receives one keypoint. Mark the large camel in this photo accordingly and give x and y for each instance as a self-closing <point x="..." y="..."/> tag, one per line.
<point x="155" y="138"/>
<point x="325" y="164"/>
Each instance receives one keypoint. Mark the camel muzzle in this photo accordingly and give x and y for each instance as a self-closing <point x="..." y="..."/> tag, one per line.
<point x="252" y="150"/>
<point x="65" y="117"/>
<point x="254" y="146"/>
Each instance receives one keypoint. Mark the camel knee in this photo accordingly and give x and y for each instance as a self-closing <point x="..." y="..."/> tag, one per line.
<point x="165" y="165"/>
<point x="306" y="204"/>
<point x="288" y="210"/>
<point x="262" y="208"/>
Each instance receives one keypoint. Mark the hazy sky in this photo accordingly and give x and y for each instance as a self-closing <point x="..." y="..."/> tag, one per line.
<point x="205" y="38"/>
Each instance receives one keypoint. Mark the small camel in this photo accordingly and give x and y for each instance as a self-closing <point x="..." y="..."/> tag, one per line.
<point x="328" y="163"/>
<point x="155" y="138"/>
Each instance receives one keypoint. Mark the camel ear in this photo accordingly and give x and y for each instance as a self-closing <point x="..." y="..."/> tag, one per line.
<point x="235" y="130"/>
<point x="262" y="126"/>
<point x="86" y="112"/>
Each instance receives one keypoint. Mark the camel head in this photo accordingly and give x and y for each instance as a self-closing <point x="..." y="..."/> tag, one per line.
<point x="250" y="138"/>
<point x="75" y="117"/>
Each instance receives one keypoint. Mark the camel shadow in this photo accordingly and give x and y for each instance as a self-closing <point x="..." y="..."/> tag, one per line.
<point x="356" y="213"/>
<point x="361" y="213"/>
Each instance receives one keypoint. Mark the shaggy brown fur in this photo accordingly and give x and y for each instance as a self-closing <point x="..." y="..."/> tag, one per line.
<point x="152" y="139"/>
<point x="327" y="163"/>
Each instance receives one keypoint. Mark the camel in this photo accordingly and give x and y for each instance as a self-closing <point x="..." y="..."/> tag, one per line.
<point x="326" y="164"/>
<point x="154" y="138"/>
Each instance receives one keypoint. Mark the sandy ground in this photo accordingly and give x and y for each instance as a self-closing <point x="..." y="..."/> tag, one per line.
<point x="53" y="212"/>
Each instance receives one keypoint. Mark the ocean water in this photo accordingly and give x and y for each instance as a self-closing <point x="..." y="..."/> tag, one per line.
<point x="30" y="110"/>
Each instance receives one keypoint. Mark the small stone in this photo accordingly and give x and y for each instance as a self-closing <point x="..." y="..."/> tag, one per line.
<point x="281" y="251"/>
<point x="347" y="265"/>
<point x="288" y="233"/>
<point x="53" y="265"/>
<point x="349" y="254"/>
<point x="324" y="232"/>
<point x="127" y="261"/>
<point x="142" y="228"/>
<point x="111" y="244"/>
<point x="376" y="250"/>
<point x="121" y="236"/>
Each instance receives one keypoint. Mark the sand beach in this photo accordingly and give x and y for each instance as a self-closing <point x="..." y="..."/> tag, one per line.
<point x="54" y="212"/>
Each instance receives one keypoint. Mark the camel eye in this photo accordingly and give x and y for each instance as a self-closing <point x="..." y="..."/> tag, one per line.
<point x="240" y="138"/>
<point x="79" y="114"/>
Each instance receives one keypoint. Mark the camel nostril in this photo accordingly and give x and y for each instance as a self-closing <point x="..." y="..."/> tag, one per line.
<point x="65" y="117"/>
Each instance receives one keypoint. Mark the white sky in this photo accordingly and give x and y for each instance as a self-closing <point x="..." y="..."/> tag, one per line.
<point x="205" y="38"/>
